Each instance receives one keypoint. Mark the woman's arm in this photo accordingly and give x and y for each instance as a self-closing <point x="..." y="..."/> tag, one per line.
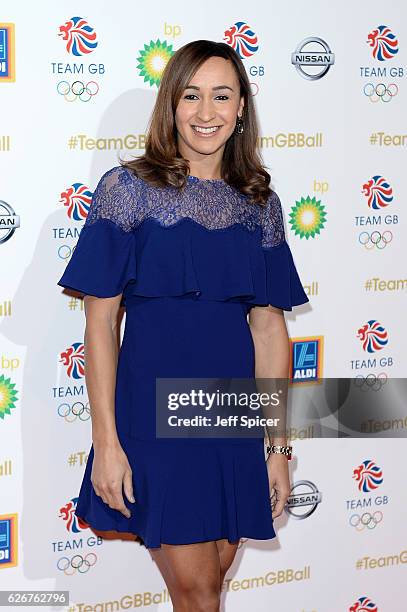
<point x="111" y="470"/>
<point x="272" y="349"/>
<point x="272" y="356"/>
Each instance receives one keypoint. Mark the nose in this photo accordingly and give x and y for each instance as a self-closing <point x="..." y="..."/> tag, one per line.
<point x="206" y="111"/>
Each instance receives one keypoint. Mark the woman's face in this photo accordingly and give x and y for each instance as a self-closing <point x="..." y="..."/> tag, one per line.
<point x="210" y="100"/>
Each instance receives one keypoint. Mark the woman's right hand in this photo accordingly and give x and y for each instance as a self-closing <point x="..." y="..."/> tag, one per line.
<point x="111" y="473"/>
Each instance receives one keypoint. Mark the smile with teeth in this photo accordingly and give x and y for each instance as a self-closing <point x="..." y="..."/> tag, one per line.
<point x="206" y="130"/>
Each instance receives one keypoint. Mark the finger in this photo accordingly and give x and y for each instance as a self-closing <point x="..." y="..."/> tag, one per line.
<point x="277" y="511"/>
<point x="279" y="507"/>
<point x="128" y="486"/>
<point x="104" y="497"/>
<point x="117" y="503"/>
<point x="107" y="495"/>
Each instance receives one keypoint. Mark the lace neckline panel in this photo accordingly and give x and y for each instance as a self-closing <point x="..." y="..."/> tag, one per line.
<point x="127" y="201"/>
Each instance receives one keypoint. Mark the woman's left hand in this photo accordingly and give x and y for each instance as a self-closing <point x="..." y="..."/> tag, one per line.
<point x="279" y="480"/>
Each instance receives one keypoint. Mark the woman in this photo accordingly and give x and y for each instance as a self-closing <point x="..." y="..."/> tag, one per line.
<point x="190" y="238"/>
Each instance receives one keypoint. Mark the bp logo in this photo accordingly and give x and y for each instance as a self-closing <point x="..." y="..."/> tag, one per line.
<point x="8" y="396"/>
<point x="152" y="61"/>
<point x="307" y="217"/>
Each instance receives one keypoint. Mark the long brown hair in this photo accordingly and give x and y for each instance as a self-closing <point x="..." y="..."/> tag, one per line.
<point x="162" y="163"/>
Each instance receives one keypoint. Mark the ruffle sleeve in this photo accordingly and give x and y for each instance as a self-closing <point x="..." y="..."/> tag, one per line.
<point x="127" y="248"/>
<point x="104" y="259"/>
<point x="281" y="286"/>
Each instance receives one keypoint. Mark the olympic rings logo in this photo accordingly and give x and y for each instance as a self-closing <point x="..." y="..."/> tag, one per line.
<point x="65" y="251"/>
<point x="76" y="564"/>
<point x="254" y="89"/>
<point x="78" y="90"/>
<point x="78" y="410"/>
<point x="375" y="239"/>
<point x="366" y="520"/>
<point x="380" y="92"/>
<point x="371" y="381"/>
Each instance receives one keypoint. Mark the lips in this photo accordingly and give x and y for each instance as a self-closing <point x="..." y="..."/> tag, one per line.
<point x="206" y="130"/>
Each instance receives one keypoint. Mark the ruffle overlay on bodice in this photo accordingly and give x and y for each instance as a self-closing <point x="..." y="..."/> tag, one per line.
<point x="208" y="242"/>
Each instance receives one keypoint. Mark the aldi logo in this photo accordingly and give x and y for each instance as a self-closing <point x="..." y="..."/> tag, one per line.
<point x="306" y="358"/>
<point x="8" y="540"/>
<point x="7" y="53"/>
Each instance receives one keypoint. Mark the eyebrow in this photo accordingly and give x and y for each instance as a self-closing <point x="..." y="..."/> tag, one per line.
<point x="213" y="88"/>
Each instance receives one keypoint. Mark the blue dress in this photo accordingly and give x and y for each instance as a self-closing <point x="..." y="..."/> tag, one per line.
<point x="190" y="264"/>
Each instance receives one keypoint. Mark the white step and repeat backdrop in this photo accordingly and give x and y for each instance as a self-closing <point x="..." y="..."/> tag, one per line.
<point x="77" y="85"/>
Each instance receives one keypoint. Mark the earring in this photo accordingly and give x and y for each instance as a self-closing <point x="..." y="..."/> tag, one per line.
<point x="239" y="129"/>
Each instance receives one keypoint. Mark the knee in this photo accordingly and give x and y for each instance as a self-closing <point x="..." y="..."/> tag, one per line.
<point x="198" y="597"/>
<point x="205" y="601"/>
<point x="208" y="601"/>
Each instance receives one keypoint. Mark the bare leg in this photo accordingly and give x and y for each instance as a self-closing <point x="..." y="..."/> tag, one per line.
<point x="227" y="553"/>
<point x="192" y="573"/>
